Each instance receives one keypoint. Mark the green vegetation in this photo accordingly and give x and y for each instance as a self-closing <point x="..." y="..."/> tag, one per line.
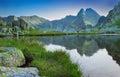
<point x="2" y="51"/>
<point x="50" y="64"/>
<point x="117" y="23"/>
<point x="39" y="32"/>
<point x="5" y="26"/>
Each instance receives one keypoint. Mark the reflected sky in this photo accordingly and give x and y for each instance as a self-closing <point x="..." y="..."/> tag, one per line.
<point x="100" y="64"/>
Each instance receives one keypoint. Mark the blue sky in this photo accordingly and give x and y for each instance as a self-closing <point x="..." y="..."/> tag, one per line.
<point x="53" y="9"/>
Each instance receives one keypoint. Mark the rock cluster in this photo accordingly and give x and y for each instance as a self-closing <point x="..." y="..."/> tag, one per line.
<point x="10" y="58"/>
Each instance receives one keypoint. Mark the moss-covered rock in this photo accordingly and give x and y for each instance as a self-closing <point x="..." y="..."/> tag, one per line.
<point x="11" y="57"/>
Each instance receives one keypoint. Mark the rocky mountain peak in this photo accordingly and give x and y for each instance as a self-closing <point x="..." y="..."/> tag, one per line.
<point x="81" y="12"/>
<point x="89" y="10"/>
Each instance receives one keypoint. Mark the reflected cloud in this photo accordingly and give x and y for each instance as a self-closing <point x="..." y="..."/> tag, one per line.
<point x="100" y="64"/>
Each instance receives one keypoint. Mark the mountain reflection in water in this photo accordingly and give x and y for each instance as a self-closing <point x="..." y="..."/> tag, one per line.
<point x="96" y="56"/>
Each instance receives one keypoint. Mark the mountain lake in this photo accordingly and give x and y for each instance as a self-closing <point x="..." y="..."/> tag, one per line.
<point x="95" y="55"/>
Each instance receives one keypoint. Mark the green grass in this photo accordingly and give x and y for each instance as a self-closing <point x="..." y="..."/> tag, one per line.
<point x="50" y="64"/>
<point x="39" y="32"/>
<point x="62" y="33"/>
<point x="2" y="51"/>
<point x="117" y="23"/>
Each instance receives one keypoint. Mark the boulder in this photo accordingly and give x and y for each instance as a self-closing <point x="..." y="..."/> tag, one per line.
<point x="11" y="56"/>
<point x="18" y="72"/>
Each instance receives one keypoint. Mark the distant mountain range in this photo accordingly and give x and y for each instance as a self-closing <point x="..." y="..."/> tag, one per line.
<point x="85" y="20"/>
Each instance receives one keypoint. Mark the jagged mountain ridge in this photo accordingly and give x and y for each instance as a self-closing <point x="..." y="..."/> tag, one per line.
<point x="84" y="19"/>
<point x="71" y="23"/>
<point x="89" y="16"/>
<point x="68" y="24"/>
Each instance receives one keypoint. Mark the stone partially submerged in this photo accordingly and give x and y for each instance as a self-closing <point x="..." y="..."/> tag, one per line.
<point x="11" y="57"/>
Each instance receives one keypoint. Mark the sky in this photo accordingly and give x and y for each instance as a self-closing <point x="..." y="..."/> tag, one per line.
<point x="53" y="9"/>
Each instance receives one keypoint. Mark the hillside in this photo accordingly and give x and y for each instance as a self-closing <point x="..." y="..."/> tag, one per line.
<point x="111" y="22"/>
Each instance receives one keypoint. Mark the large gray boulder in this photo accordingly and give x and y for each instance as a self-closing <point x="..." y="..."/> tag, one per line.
<point x="11" y="56"/>
<point x="18" y="72"/>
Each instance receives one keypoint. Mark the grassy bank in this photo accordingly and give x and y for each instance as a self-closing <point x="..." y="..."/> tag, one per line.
<point x="50" y="64"/>
<point x="42" y="33"/>
<point x="56" y="33"/>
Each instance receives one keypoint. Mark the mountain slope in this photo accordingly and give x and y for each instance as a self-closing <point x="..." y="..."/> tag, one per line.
<point x="12" y="24"/>
<point x="33" y="21"/>
<point x="70" y="23"/>
<point x="85" y="19"/>
<point x="8" y="20"/>
<point x="57" y="25"/>
<point x="113" y="15"/>
<point x="101" y="21"/>
<point x="91" y="16"/>
<point x="112" y="21"/>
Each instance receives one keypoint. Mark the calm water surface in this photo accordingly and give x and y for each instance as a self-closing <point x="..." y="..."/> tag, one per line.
<point x="96" y="56"/>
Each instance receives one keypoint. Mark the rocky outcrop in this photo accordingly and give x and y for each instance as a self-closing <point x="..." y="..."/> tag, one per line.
<point x="18" y="72"/>
<point x="21" y="24"/>
<point x="33" y="21"/>
<point x="11" y="57"/>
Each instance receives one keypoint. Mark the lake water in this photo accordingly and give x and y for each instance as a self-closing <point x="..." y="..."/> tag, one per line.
<point x="96" y="56"/>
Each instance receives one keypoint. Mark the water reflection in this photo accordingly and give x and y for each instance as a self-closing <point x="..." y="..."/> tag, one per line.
<point x="98" y="65"/>
<point x="97" y="56"/>
<point x="87" y="45"/>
